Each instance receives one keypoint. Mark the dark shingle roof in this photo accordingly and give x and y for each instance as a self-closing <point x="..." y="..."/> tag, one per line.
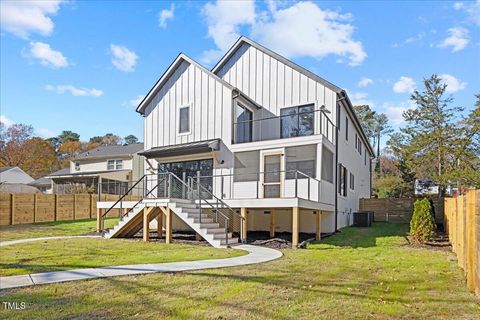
<point x="41" y="182"/>
<point x="105" y="151"/>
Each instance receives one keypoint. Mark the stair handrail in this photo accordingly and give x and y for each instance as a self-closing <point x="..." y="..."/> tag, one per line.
<point x="218" y="200"/>
<point x="203" y="199"/>
<point x="138" y="202"/>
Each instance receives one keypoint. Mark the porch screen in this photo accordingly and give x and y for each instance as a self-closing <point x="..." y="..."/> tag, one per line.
<point x="301" y="158"/>
<point x="327" y="165"/>
<point x="247" y="165"/>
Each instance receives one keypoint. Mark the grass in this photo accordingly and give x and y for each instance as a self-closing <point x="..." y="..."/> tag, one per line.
<point x="358" y="274"/>
<point x="47" y="229"/>
<point x="67" y="254"/>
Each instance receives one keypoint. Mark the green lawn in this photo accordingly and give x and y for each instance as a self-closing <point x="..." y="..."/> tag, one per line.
<point x="358" y="274"/>
<point x="46" y="229"/>
<point x="67" y="254"/>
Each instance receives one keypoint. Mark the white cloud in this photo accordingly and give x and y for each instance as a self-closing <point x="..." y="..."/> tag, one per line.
<point x="123" y="59"/>
<point x="7" y="122"/>
<point x="78" y="92"/>
<point x="394" y="111"/>
<point x="453" y="84"/>
<point x="46" y="55"/>
<point x="364" y="82"/>
<point x="458" y="39"/>
<point x="360" y="98"/>
<point x="165" y="15"/>
<point x="472" y="10"/>
<point x="136" y="101"/>
<point x="404" y="84"/>
<point x="25" y="17"/>
<point x="420" y="36"/>
<point x="458" y="5"/>
<point x="46" y="133"/>
<point x="224" y="19"/>
<point x="304" y="29"/>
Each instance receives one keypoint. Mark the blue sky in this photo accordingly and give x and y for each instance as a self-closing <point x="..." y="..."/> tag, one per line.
<point x="82" y="66"/>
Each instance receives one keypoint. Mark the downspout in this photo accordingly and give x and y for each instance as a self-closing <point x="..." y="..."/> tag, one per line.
<point x="336" y="165"/>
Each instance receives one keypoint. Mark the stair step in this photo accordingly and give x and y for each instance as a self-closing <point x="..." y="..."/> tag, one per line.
<point x="209" y="225"/>
<point x="230" y="241"/>
<point x="222" y="235"/>
<point x="215" y="230"/>
<point x="204" y="220"/>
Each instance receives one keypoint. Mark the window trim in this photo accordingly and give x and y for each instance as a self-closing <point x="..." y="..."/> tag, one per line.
<point x="235" y="136"/>
<point x="346" y="128"/>
<point x="115" y="164"/>
<point x="189" y="106"/>
<point x="351" y="184"/>
<point x="297" y="107"/>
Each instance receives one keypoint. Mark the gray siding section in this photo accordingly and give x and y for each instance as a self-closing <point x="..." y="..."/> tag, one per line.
<point x="210" y="104"/>
<point x="273" y="84"/>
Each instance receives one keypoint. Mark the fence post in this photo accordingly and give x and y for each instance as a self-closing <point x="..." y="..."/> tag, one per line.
<point x="74" y="205"/>
<point x="55" y="207"/>
<point x="34" y="207"/>
<point x="12" y="208"/>
<point x="91" y="205"/>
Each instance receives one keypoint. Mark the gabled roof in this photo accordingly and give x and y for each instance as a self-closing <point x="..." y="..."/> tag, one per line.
<point x="2" y="169"/>
<point x="114" y="150"/>
<point x="275" y="55"/>
<point x="168" y="73"/>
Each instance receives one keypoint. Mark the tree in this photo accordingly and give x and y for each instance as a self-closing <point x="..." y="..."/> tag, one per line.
<point x="111" y="139"/>
<point x="422" y="224"/>
<point x="381" y="128"/>
<point x="130" y="139"/>
<point x="427" y="136"/>
<point x="18" y="149"/>
<point x="366" y="116"/>
<point x="68" y="136"/>
<point x="68" y="150"/>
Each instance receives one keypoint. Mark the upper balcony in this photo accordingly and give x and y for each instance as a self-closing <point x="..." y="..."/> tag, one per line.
<point x="298" y="121"/>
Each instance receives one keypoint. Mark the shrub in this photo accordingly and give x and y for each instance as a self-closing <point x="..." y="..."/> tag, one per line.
<point x="422" y="225"/>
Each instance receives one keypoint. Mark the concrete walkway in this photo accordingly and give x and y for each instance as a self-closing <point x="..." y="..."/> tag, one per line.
<point x="12" y="242"/>
<point x="256" y="255"/>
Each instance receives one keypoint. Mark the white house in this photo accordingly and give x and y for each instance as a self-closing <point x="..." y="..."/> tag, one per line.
<point x="279" y="147"/>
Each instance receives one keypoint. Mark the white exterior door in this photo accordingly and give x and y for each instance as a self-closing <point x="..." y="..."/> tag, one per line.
<point x="273" y="176"/>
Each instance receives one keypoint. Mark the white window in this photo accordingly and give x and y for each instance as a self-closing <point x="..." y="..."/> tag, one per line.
<point x="352" y="181"/>
<point x="184" y="120"/>
<point x="114" y="164"/>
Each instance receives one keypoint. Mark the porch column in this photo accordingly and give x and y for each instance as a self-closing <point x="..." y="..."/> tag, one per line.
<point x="243" y="213"/>
<point x="295" y="226"/>
<point x="99" y="220"/>
<point x="168" y="225"/>
<point x="146" y="223"/>
<point x="318" y="229"/>
<point x="272" y="223"/>
<point x="160" y="225"/>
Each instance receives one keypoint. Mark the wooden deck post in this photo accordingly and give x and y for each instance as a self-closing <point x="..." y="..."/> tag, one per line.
<point x="318" y="229"/>
<point x="12" y="208"/>
<point x="99" y="220"/>
<point x="243" y="213"/>
<point x="146" y="224"/>
<point x="168" y="225"/>
<point x="295" y="226"/>
<point x="160" y="225"/>
<point x="272" y="223"/>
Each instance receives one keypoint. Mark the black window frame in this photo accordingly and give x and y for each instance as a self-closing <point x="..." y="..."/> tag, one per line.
<point x="297" y="113"/>
<point x="180" y="129"/>
<point x="346" y="128"/>
<point x="243" y="123"/>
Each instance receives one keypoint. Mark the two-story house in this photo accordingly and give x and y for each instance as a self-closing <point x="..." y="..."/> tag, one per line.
<point x="106" y="169"/>
<point x="279" y="147"/>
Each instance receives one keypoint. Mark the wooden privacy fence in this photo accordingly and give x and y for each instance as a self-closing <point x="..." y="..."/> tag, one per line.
<point x="462" y="223"/>
<point x="398" y="210"/>
<point x="20" y="208"/>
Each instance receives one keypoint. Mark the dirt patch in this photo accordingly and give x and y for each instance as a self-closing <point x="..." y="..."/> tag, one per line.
<point x="438" y="243"/>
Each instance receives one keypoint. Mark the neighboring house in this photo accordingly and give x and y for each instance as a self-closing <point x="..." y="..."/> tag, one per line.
<point x="14" y="175"/>
<point x="106" y="169"/>
<point x="45" y="185"/>
<point x="264" y="135"/>
<point x="15" y="180"/>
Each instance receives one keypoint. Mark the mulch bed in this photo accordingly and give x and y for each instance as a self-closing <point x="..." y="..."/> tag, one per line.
<point x="438" y="243"/>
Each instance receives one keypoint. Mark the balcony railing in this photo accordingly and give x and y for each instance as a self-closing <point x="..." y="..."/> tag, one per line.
<point x="278" y="127"/>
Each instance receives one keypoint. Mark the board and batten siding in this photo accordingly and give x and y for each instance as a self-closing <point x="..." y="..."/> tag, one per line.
<point x="210" y="104"/>
<point x="273" y="84"/>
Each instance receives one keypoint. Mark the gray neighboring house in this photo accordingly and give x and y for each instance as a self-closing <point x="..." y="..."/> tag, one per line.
<point x="106" y="169"/>
<point x="43" y="184"/>
<point x="15" y="180"/>
<point x="14" y="175"/>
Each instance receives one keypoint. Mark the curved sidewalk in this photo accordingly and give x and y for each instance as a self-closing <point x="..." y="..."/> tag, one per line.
<point x="256" y="255"/>
<point x="12" y="242"/>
